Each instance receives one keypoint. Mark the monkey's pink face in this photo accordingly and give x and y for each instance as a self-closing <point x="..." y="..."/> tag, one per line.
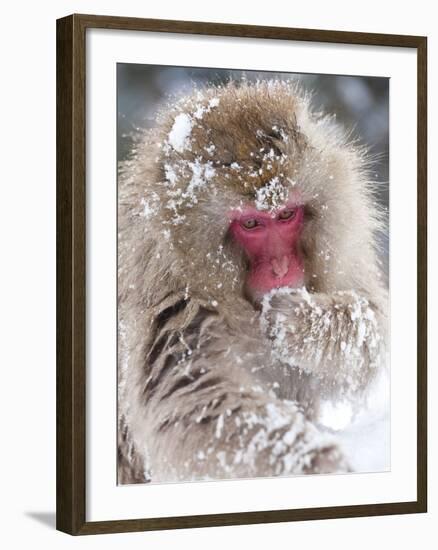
<point x="271" y="244"/>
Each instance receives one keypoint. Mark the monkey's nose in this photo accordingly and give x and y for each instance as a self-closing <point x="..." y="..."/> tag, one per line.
<point x="280" y="266"/>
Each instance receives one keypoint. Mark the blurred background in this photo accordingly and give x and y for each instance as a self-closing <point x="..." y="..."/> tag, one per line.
<point x="360" y="103"/>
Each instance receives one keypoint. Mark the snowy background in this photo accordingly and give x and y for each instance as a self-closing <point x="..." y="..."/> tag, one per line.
<point x="360" y="104"/>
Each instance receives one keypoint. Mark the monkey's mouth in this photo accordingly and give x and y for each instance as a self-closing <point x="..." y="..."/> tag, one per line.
<point x="276" y="273"/>
<point x="280" y="267"/>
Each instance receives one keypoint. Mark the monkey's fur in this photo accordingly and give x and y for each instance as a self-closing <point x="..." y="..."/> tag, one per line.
<point x="213" y="383"/>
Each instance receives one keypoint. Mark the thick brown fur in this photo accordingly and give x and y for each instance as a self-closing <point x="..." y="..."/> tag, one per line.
<point x="213" y="384"/>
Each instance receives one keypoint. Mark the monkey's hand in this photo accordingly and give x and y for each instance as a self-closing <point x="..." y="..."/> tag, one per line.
<point x="338" y="337"/>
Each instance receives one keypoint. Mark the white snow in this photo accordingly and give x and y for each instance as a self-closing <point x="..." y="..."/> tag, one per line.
<point x="148" y="208"/>
<point x="336" y="416"/>
<point x="271" y="196"/>
<point x="219" y="426"/>
<point x="201" y="109"/>
<point x="179" y="135"/>
<point x="214" y="102"/>
<point x="201" y="174"/>
<point x="366" y="437"/>
<point x="171" y="175"/>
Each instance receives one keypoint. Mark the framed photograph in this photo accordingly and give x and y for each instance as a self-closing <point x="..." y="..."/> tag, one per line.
<point x="241" y="274"/>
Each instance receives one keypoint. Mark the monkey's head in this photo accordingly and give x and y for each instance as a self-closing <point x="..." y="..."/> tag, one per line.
<point x="252" y="191"/>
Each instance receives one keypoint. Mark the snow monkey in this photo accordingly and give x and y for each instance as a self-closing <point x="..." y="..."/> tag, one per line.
<point x="249" y="287"/>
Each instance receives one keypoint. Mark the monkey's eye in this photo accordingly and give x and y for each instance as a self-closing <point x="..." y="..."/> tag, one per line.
<point x="249" y="224"/>
<point x="286" y="215"/>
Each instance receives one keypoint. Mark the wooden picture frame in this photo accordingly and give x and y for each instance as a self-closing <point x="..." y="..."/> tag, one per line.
<point x="71" y="273"/>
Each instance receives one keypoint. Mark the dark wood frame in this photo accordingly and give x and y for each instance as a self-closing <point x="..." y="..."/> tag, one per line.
<point x="71" y="410"/>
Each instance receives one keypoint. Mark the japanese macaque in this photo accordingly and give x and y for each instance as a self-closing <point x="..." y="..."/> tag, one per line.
<point x="249" y="287"/>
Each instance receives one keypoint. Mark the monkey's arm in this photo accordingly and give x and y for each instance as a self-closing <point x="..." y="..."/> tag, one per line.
<point x="201" y="414"/>
<point x="339" y="337"/>
<point x="238" y="434"/>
